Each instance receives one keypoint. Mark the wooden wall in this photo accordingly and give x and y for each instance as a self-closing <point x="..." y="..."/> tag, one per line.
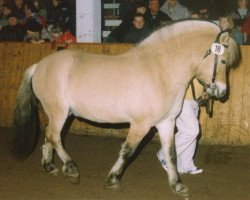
<point x="229" y="125"/>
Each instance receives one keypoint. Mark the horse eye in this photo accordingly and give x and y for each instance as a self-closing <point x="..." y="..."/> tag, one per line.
<point x="223" y="61"/>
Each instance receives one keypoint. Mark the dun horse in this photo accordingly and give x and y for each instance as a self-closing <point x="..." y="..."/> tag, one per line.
<point x="144" y="86"/>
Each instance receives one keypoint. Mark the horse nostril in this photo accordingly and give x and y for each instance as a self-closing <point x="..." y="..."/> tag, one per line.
<point x="223" y="92"/>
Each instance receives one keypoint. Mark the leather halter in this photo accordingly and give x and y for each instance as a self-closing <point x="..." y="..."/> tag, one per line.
<point x="212" y="84"/>
<point x="208" y="102"/>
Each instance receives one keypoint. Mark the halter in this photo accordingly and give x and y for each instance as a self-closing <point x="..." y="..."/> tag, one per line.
<point x="217" y="49"/>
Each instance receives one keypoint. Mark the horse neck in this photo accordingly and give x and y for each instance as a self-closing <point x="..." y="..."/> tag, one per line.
<point x="178" y="51"/>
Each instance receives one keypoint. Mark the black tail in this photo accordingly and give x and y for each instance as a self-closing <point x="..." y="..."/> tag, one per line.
<point x="26" y="123"/>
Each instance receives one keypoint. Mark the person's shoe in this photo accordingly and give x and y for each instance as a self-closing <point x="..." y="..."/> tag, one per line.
<point x="193" y="171"/>
<point x="162" y="160"/>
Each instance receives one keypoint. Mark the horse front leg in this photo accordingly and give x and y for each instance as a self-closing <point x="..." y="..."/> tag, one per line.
<point x="166" y="134"/>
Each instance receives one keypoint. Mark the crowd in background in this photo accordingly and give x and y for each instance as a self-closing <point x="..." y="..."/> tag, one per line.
<point x="231" y="15"/>
<point x="37" y="21"/>
<point x="40" y="21"/>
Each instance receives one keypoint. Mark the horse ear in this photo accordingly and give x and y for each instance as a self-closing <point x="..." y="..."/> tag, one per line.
<point x="224" y="38"/>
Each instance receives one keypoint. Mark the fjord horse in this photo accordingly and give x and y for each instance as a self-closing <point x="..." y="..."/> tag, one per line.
<point x="144" y="86"/>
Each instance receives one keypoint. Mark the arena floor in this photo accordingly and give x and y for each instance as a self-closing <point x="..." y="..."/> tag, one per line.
<point x="226" y="176"/>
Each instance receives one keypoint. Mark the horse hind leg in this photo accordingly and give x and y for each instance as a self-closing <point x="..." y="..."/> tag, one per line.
<point x="53" y="139"/>
<point x="135" y="135"/>
<point x="47" y="160"/>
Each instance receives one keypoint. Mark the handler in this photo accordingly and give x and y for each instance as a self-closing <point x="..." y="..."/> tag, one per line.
<point x="187" y="124"/>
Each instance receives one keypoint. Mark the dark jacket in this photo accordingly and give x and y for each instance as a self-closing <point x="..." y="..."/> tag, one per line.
<point x="12" y="33"/>
<point x="135" y="35"/>
<point x="118" y="33"/>
<point x="155" y="21"/>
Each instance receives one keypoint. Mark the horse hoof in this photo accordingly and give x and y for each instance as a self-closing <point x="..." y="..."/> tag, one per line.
<point x="72" y="179"/>
<point x="54" y="172"/>
<point x="70" y="172"/>
<point x="114" y="183"/>
<point x="50" y="168"/>
<point x="114" y="186"/>
<point x="182" y="190"/>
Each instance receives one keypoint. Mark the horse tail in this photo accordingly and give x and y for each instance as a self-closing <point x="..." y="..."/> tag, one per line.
<point x="26" y="122"/>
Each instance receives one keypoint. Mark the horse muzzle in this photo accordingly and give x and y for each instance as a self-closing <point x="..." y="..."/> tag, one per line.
<point x="216" y="89"/>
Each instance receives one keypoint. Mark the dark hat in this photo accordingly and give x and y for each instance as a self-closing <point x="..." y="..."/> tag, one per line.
<point x="33" y="25"/>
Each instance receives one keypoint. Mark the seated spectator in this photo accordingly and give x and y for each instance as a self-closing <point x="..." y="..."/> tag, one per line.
<point x="245" y="29"/>
<point x="138" y="31"/>
<point x="155" y="17"/>
<point x="19" y="11"/>
<point x="241" y="12"/>
<point x="13" y="31"/>
<point x="226" y="24"/>
<point x="58" y="13"/>
<point x="117" y="34"/>
<point x="61" y="36"/>
<point x="33" y="32"/>
<point x="201" y="14"/>
<point x="7" y="9"/>
<point x="39" y="4"/>
<point x="125" y="8"/>
<point x="1" y="6"/>
<point x="31" y="13"/>
<point x="175" y="10"/>
<point x="207" y="9"/>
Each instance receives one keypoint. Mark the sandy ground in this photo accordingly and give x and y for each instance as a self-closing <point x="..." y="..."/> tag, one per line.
<point x="226" y="176"/>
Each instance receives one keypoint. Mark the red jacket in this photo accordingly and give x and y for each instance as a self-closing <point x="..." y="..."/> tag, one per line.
<point x="246" y="26"/>
<point x="66" y="38"/>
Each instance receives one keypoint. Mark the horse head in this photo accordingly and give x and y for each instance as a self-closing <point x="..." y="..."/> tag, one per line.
<point x="212" y="72"/>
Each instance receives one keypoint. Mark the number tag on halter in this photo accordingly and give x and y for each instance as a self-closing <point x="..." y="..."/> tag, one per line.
<point x="217" y="49"/>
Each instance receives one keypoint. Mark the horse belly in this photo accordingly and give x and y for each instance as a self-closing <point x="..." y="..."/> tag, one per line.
<point x="97" y="106"/>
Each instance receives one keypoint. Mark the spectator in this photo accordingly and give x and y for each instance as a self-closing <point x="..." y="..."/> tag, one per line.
<point x="61" y="35"/>
<point x="175" y="10"/>
<point x="245" y="29"/>
<point x="59" y="13"/>
<point x="33" y="32"/>
<point x="154" y="17"/>
<point x="201" y="14"/>
<point x="19" y="11"/>
<point x="138" y="31"/>
<point x="125" y="8"/>
<point x="241" y="12"/>
<point x="13" y="31"/>
<point x="226" y="24"/>
<point x="7" y="9"/>
<point x="40" y="6"/>
<point x="31" y="13"/>
<point x="117" y="34"/>
<point x="1" y="5"/>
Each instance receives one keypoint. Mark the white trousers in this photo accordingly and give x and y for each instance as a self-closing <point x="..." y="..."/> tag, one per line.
<point x="187" y="124"/>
